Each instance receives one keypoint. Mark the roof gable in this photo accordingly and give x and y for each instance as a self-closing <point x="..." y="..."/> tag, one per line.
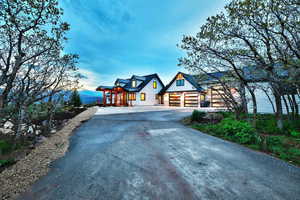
<point x="190" y="78"/>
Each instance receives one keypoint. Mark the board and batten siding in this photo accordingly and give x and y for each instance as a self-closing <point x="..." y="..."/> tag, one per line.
<point x="150" y="94"/>
<point x="187" y="87"/>
<point x="263" y="103"/>
<point x="180" y="90"/>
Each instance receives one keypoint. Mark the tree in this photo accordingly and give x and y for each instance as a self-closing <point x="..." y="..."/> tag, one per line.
<point x="32" y="65"/>
<point x="260" y="34"/>
<point x="75" y="99"/>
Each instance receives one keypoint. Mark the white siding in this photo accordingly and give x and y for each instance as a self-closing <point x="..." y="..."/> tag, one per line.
<point x="263" y="103"/>
<point x="187" y="87"/>
<point x="150" y="94"/>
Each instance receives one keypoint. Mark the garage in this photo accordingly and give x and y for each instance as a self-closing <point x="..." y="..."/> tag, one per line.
<point x="174" y="99"/>
<point x="191" y="99"/>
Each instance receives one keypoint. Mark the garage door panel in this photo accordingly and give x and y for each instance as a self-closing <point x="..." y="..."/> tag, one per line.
<point x="174" y="100"/>
<point x="191" y="100"/>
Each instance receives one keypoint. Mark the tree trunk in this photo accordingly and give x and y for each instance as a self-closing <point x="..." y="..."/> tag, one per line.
<point x="254" y="106"/>
<point x="286" y="106"/>
<point x="278" y="111"/>
<point x="296" y="105"/>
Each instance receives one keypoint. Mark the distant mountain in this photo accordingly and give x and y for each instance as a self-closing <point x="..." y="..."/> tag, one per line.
<point x="89" y="96"/>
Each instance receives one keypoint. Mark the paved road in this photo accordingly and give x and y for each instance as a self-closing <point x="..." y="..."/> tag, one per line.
<point x="150" y="155"/>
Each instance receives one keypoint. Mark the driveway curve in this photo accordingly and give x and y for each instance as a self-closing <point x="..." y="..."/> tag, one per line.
<point x="148" y="154"/>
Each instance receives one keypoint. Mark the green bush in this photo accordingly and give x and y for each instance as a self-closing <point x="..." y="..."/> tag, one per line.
<point x="7" y="162"/>
<point x="238" y="131"/>
<point x="5" y="147"/>
<point x="268" y="126"/>
<point x="295" y="133"/>
<point x="274" y="140"/>
<point x="197" y="116"/>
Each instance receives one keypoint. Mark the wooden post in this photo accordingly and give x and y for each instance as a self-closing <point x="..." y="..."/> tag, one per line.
<point x="104" y="98"/>
<point x="124" y="98"/>
<point x="116" y="98"/>
<point x="111" y="98"/>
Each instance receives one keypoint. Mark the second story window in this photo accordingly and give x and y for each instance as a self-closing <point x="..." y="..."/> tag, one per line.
<point x="180" y="82"/>
<point x="133" y="83"/>
<point x="154" y="84"/>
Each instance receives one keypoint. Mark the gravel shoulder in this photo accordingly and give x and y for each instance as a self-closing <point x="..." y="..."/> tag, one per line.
<point x="27" y="171"/>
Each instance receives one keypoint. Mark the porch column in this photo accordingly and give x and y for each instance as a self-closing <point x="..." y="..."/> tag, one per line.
<point x="104" y="98"/>
<point x="124" y="98"/>
<point x="111" y="98"/>
<point x="116" y="98"/>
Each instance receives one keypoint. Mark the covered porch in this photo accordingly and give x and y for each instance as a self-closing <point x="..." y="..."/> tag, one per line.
<point x="113" y="96"/>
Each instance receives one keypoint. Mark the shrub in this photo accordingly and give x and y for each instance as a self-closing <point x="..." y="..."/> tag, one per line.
<point x="295" y="134"/>
<point x="274" y="140"/>
<point x="7" y="162"/>
<point x="239" y="131"/>
<point x="294" y="151"/>
<point x="197" y="115"/>
<point x="268" y="126"/>
<point x="5" y="147"/>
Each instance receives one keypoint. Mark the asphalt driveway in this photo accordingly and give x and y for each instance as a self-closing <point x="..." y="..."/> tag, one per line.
<point x="147" y="154"/>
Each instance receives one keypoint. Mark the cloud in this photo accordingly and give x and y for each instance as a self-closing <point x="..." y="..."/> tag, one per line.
<point x="118" y="38"/>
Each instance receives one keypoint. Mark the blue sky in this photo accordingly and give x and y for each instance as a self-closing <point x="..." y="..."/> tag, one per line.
<point x="118" y="38"/>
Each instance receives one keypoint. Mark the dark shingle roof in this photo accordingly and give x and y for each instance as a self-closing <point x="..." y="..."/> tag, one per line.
<point x="144" y="81"/>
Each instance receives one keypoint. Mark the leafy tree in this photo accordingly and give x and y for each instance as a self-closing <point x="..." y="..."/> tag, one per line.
<point x="75" y="99"/>
<point x="260" y="34"/>
<point x="32" y="65"/>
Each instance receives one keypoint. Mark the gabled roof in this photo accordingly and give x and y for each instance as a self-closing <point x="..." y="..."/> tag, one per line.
<point x="190" y="78"/>
<point x="125" y="81"/>
<point x="145" y="80"/>
<point x="211" y="77"/>
<point x="128" y="87"/>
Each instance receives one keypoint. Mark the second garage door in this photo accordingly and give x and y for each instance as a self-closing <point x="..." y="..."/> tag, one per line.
<point x="174" y="99"/>
<point x="191" y="100"/>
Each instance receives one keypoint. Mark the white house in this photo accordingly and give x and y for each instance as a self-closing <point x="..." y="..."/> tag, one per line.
<point x="186" y="90"/>
<point x="137" y="90"/>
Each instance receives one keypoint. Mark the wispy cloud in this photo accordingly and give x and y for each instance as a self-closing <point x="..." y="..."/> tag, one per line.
<point x="118" y="38"/>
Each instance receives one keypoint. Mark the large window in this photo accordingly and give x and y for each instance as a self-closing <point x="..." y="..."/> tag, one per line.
<point x="154" y="84"/>
<point x="133" y="83"/>
<point x="132" y="96"/>
<point x="180" y="82"/>
<point x="143" y="96"/>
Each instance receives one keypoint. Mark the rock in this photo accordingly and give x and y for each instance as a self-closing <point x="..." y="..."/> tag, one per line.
<point x="40" y="139"/>
<point x="8" y="125"/>
<point x="213" y="116"/>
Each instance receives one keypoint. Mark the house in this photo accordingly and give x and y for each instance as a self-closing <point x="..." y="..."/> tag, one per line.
<point x="258" y="80"/>
<point x="187" y="90"/>
<point x="137" y="90"/>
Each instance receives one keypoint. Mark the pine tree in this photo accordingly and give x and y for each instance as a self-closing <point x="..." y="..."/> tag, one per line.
<point x="75" y="99"/>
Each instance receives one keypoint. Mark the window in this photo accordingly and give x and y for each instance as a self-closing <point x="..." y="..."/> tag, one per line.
<point x="154" y="84"/>
<point x="143" y="97"/>
<point x="132" y="96"/>
<point x="179" y="77"/>
<point x="180" y="82"/>
<point x="133" y="83"/>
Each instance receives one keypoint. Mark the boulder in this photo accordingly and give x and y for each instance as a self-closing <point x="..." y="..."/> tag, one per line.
<point x="214" y="116"/>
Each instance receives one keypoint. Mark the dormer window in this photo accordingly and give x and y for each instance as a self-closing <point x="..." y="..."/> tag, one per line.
<point x="179" y="80"/>
<point x="133" y="83"/>
<point x="154" y="84"/>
